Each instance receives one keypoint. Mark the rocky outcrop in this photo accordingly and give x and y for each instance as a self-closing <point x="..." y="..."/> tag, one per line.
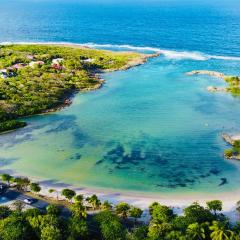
<point x="233" y="153"/>
<point x="216" y="89"/>
<point x="206" y="72"/>
<point x="227" y="138"/>
<point x="139" y="60"/>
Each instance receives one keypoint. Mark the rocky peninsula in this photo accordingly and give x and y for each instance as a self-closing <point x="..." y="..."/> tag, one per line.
<point x="233" y="81"/>
<point x="206" y="72"/>
<point x="234" y="141"/>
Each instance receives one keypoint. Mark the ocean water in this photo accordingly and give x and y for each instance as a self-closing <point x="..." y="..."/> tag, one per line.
<point x="151" y="128"/>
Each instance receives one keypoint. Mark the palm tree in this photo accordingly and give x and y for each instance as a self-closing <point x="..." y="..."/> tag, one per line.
<point x="78" y="210"/>
<point x="220" y="232"/>
<point x="106" y="206"/>
<point x="122" y="209"/>
<point x="196" y="232"/>
<point x="7" y="178"/>
<point x="79" y="198"/>
<point x="94" y="201"/>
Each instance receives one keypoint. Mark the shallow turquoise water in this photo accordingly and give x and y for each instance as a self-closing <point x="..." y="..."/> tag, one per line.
<point x="151" y="128"/>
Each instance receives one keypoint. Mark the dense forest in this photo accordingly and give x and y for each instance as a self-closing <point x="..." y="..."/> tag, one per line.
<point x="35" y="78"/>
<point x="87" y="218"/>
<point x="116" y="223"/>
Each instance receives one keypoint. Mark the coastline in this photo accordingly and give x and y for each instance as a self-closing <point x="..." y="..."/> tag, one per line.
<point x="67" y="100"/>
<point x="177" y="201"/>
<point x="141" y="199"/>
<point x="232" y="81"/>
<point x="232" y="154"/>
<point x="67" y="97"/>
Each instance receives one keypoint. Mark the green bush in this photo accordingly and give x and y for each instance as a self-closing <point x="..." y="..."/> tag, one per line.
<point x="11" y="125"/>
<point x="228" y="153"/>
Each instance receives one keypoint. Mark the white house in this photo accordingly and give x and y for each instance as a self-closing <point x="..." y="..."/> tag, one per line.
<point x="3" y="73"/>
<point x="35" y="63"/>
<point x="89" y="60"/>
<point x="57" y="60"/>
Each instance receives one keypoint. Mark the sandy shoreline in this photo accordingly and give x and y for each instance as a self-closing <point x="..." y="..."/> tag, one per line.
<point x="139" y="199"/>
<point x="178" y="201"/>
<point x="67" y="98"/>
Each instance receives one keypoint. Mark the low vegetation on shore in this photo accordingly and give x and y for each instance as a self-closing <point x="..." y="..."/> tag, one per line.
<point x="109" y="222"/>
<point x="36" y="78"/>
<point x="233" y="81"/>
<point x="234" y="152"/>
<point x="233" y="84"/>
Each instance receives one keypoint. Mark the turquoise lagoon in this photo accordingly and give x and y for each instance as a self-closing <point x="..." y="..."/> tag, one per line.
<point x="150" y="128"/>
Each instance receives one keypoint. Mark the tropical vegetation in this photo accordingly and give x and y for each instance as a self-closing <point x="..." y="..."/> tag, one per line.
<point x="233" y="152"/>
<point x="36" y="78"/>
<point x="105" y="221"/>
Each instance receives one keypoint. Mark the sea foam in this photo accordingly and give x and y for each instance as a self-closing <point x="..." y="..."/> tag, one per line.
<point x="169" y="54"/>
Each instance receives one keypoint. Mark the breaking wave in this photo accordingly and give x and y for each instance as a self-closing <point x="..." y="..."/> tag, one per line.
<point x="169" y="54"/>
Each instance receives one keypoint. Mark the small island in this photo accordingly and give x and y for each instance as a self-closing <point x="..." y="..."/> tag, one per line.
<point x="41" y="78"/>
<point x="234" y="88"/>
<point x="233" y="81"/>
<point x="234" y="141"/>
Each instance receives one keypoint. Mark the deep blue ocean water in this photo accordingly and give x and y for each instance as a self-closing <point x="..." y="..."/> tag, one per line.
<point x="151" y="128"/>
<point x="212" y="27"/>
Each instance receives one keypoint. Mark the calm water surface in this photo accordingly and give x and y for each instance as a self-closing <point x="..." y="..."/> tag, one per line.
<point x="151" y="128"/>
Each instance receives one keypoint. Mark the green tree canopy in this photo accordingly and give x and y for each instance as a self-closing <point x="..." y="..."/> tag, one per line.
<point x="35" y="187"/>
<point x="7" y="178"/>
<point x="5" y="211"/>
<point x="122" y="209"/>
<point x="94" y="201"/>
<point x="135" y="212"/>
<point x="78" y="210"/>
<point x="162" y="213"/>
<point x="68" y="193"/>
<point x="77" y="229"/>
<point x="196" y="213"/>
<point x="53" y="210"/>
<point x="215" y="205"/>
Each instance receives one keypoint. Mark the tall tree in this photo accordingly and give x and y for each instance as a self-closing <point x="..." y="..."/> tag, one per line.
<point x="135" y="213"/>
<point x="195" y="232"/>
<point x="77" y="228"/>
<point x="94" y="201"/>
<point x="215" y="205"/>
<point x="162" y="213"/>
<point x="50" y="232"/>
<point x="78" y="210"/>
<point x="53" y="210"/>
<point x="5" y="211"/>
<point x="68" y="193"/>
<point x="158" y="230"/>
<point x="35" y="187"/>
<point x="220" y="231"/>
<point x="106" y="205"/>
<point x="122" y="209"/>
<point x="15" y="227"/>
<point x="79" y="198"/>
<point x="7" y="178"/>
<point x="22" y="183"/>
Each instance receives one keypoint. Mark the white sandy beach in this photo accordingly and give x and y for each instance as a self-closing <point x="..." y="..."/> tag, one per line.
<point x="142" y="200"/>
<point x="178" y="201"/>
